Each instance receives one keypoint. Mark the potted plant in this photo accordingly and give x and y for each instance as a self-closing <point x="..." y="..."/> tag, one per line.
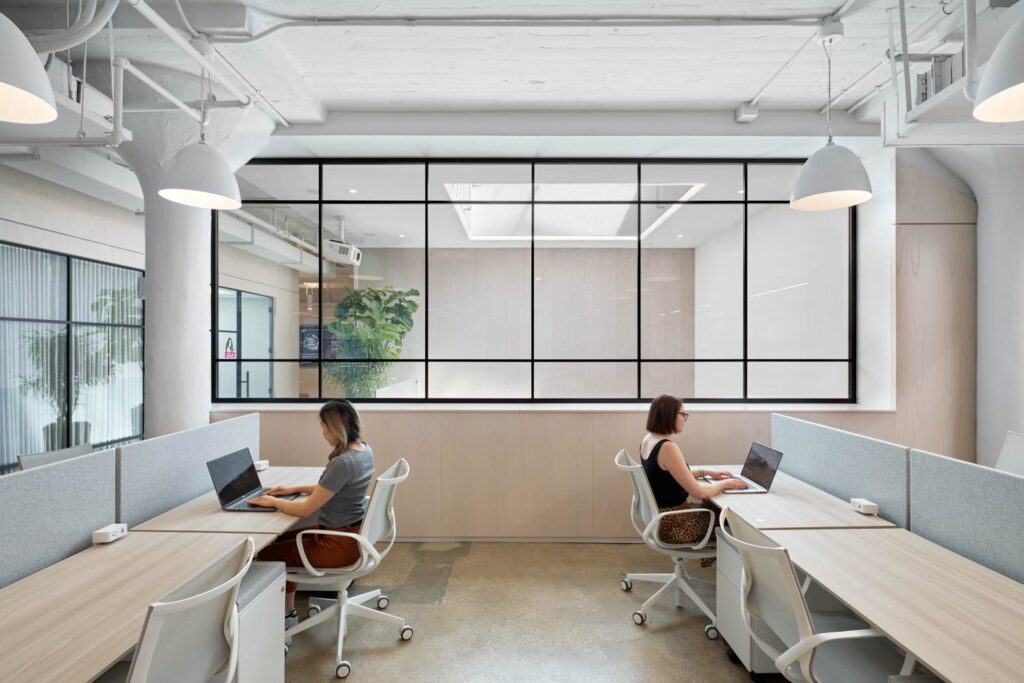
<point x="369" y="323"/>
<point x="96" y="353"/>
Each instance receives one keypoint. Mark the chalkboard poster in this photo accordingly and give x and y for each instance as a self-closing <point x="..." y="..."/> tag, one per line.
<point x="309" y="345"/>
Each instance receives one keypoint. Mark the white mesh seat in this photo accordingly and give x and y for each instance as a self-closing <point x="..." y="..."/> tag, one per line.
<point x="646" y="519"/>
<point x="378" y="527"/>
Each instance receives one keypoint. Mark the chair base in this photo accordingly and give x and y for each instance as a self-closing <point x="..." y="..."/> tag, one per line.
<point x="676" y="584"/>
<point x="341" y="608"/>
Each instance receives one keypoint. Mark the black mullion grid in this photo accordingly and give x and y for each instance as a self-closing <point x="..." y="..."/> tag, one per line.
<point x="746" y="212"/>
<point x="639" y="285"/>
<point x="640" y="202"/>
<point x="68" y="373"/>
<point x="426" y="280"/>
<point x="320" y="283"/>
<point x="238" y="344"/>
<point x="851" y="349"/>
<point x="533" y="277"/>
<point x="214" y="306"/>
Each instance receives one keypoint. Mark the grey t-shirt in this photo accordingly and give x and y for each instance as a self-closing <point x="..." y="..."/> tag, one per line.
<point x="348" y="475"/>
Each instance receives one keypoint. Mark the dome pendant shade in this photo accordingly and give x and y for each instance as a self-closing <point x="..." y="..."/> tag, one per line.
<point x="831" y="178"/>
<point x="1000" y="97"/>
<point x="25" y="92"/>
<point x="199" y="176"/>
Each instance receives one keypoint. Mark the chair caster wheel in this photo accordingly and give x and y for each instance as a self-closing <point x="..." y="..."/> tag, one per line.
<point x="313" y="610"/>
<point x="711" y="632"/>
<point x="343" y="670"/>
<point x="383" y="602"/>
<point x="406" y="633"/>
<point x="626" y="585"/>
<point x="639" y="617"/>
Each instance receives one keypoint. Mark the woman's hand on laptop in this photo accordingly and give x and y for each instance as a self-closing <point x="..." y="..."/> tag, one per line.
<point x="282" y="490"/>
<point x="264" y="501"/>
<point x="730" y="483"/>
<point x="713" y="474"/>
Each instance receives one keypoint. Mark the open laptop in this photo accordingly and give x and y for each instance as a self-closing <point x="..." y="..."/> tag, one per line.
<point x="235" y="481"/>
<point x="759" y="469"/>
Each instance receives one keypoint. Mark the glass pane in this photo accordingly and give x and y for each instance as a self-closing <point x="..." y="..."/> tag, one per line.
<point x="271" y="254"/>
<point x="479" y="288"/>
<point x="586" y="182"/>
<point x="33" y="284"/>
<point x="374" y="309"/>
<point x="480" y="380"/>
<point x="480" y="182"/>
<point x="284" y="182"/>
<point x="33" y="399"/>
<point x="692" y="380"/>
<point x="691" y="182"/>
<point x="265" y="379"/>
<point x="585" y="380"/>
<point x="585" y="286"/>
<point x="360" y="182"/>
<point x="374" y="380"/>
<point x="105" y="294"/>
<point x="797" y="283"/>
<point x="106" y="383"/>
<point x="771" y="182"/>
<point x="798" y="380"/>
<point x="692" y="273"/>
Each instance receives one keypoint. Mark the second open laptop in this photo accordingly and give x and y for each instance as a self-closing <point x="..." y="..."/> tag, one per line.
<point x="759" y="469"/>
<point x="236" y="482"/>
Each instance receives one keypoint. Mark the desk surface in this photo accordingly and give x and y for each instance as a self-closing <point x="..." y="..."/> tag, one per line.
<point x="205" y="514"/>
<point x="72" y="620"/>
<point x="793" y="504"/>
<point x="961" y="620"/>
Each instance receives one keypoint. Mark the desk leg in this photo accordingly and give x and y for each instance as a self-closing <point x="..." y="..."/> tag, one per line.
<point x="909" y="662"/>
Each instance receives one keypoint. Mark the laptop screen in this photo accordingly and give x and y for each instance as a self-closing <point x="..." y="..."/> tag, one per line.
<point x="761" y="465"/>
<point x="234" y="475"/>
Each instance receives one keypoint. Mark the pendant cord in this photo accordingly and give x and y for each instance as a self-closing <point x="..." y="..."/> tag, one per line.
<point x="828" y="104"/>
<point x="202" y="106"/>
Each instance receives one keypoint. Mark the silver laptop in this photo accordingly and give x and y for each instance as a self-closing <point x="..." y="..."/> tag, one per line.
<point x="759" y="469"/>
<point x="236" y="482"/>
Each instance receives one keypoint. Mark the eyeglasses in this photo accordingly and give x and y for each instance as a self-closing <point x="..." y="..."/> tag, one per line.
<point x="686" y="416"/>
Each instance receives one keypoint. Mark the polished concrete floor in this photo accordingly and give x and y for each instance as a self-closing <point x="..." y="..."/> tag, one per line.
<point x="518" y="612"/>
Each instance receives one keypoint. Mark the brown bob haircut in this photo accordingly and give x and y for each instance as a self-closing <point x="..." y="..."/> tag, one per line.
<point x="661" y="418"/>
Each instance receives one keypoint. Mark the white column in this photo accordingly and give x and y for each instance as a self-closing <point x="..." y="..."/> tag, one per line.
<point x="178" y="267"/>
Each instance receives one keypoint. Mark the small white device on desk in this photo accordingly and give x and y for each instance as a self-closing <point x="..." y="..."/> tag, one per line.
<point x="262" y="465"/>
<point x="864" y="506"/>
<point x="109" y="533"/>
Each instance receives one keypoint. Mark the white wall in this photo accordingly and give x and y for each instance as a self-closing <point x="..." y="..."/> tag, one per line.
<point x="994" y="175"/>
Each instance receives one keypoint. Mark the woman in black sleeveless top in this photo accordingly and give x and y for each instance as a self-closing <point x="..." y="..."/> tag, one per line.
<point x="671" y="480"/>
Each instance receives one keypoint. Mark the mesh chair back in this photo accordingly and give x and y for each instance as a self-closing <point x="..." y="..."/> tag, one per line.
<point x="771" y="590"/>
<point x="379" y="522"/>
<point x="192" y="635"/>
<point x="644" y="506"/>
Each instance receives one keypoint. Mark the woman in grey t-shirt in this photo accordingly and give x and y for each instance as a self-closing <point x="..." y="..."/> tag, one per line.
<point x="340" y="497"/>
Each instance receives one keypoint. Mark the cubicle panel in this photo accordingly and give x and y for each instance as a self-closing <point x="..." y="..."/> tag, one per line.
<point x="48" y="513"/>
<point x="844" y="464"/>
<point x="158" y="474"/>
<point x="971" y="509"/>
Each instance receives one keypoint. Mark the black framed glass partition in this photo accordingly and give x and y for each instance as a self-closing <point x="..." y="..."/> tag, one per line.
<point x="538" y="280"/>
<point x="71" y="353"/>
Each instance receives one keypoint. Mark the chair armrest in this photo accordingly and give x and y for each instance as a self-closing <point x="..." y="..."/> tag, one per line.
<point x="364" y="547"/>
<point x="787" y="658"/>
<point x="650" y="533"/>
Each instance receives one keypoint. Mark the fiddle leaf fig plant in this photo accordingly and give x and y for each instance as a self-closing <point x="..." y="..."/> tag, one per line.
<point x="370" y="323"/>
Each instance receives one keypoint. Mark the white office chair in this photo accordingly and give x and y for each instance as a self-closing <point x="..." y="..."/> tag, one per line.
<point x="646" y="518"/>
<point x="378" y="526"/>
<point x="192" y="636"/>
<point x="811" y="646"/>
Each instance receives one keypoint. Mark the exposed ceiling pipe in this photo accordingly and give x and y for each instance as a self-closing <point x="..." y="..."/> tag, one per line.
<point x="971" y="49"/>
<point x="75" y="36"/>
<point x="194" y="104"/>
<point x="157" y="88"/>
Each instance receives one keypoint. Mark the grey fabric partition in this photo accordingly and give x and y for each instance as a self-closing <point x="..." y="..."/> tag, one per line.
<point x="158" y="474"/>
<point x="27" y="462"/>
<point x="49" y="513"/>
<point x="971" y="509"/>
<point x="844" y="464"/>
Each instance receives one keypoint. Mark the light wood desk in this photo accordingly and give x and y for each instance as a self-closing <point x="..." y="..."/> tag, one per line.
<point x="72" y="620"/>
<point x="204" y="513"/>
<point x="961" y="620"/>
<point x="793" y="504"/>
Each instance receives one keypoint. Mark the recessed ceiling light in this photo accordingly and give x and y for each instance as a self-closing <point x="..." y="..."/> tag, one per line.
<point x="401" y="236"/>
<point x="352" y="190"/>
<point x="679" y="236"/>
<point x="739" y="191"/>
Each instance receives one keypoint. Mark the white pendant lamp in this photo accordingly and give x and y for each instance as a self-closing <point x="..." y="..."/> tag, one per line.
<point x="1000" y="96"/>
<point x="25" y="92"/>
<point x="199" y="176"/>
<point x="833" y="177"/>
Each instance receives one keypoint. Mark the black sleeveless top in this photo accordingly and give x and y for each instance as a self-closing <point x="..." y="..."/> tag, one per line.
<point x="667" y="491"/>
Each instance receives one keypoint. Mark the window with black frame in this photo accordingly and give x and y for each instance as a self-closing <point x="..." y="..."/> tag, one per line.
<point x="499" y="280"/>
<point x="71" y="352"/>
